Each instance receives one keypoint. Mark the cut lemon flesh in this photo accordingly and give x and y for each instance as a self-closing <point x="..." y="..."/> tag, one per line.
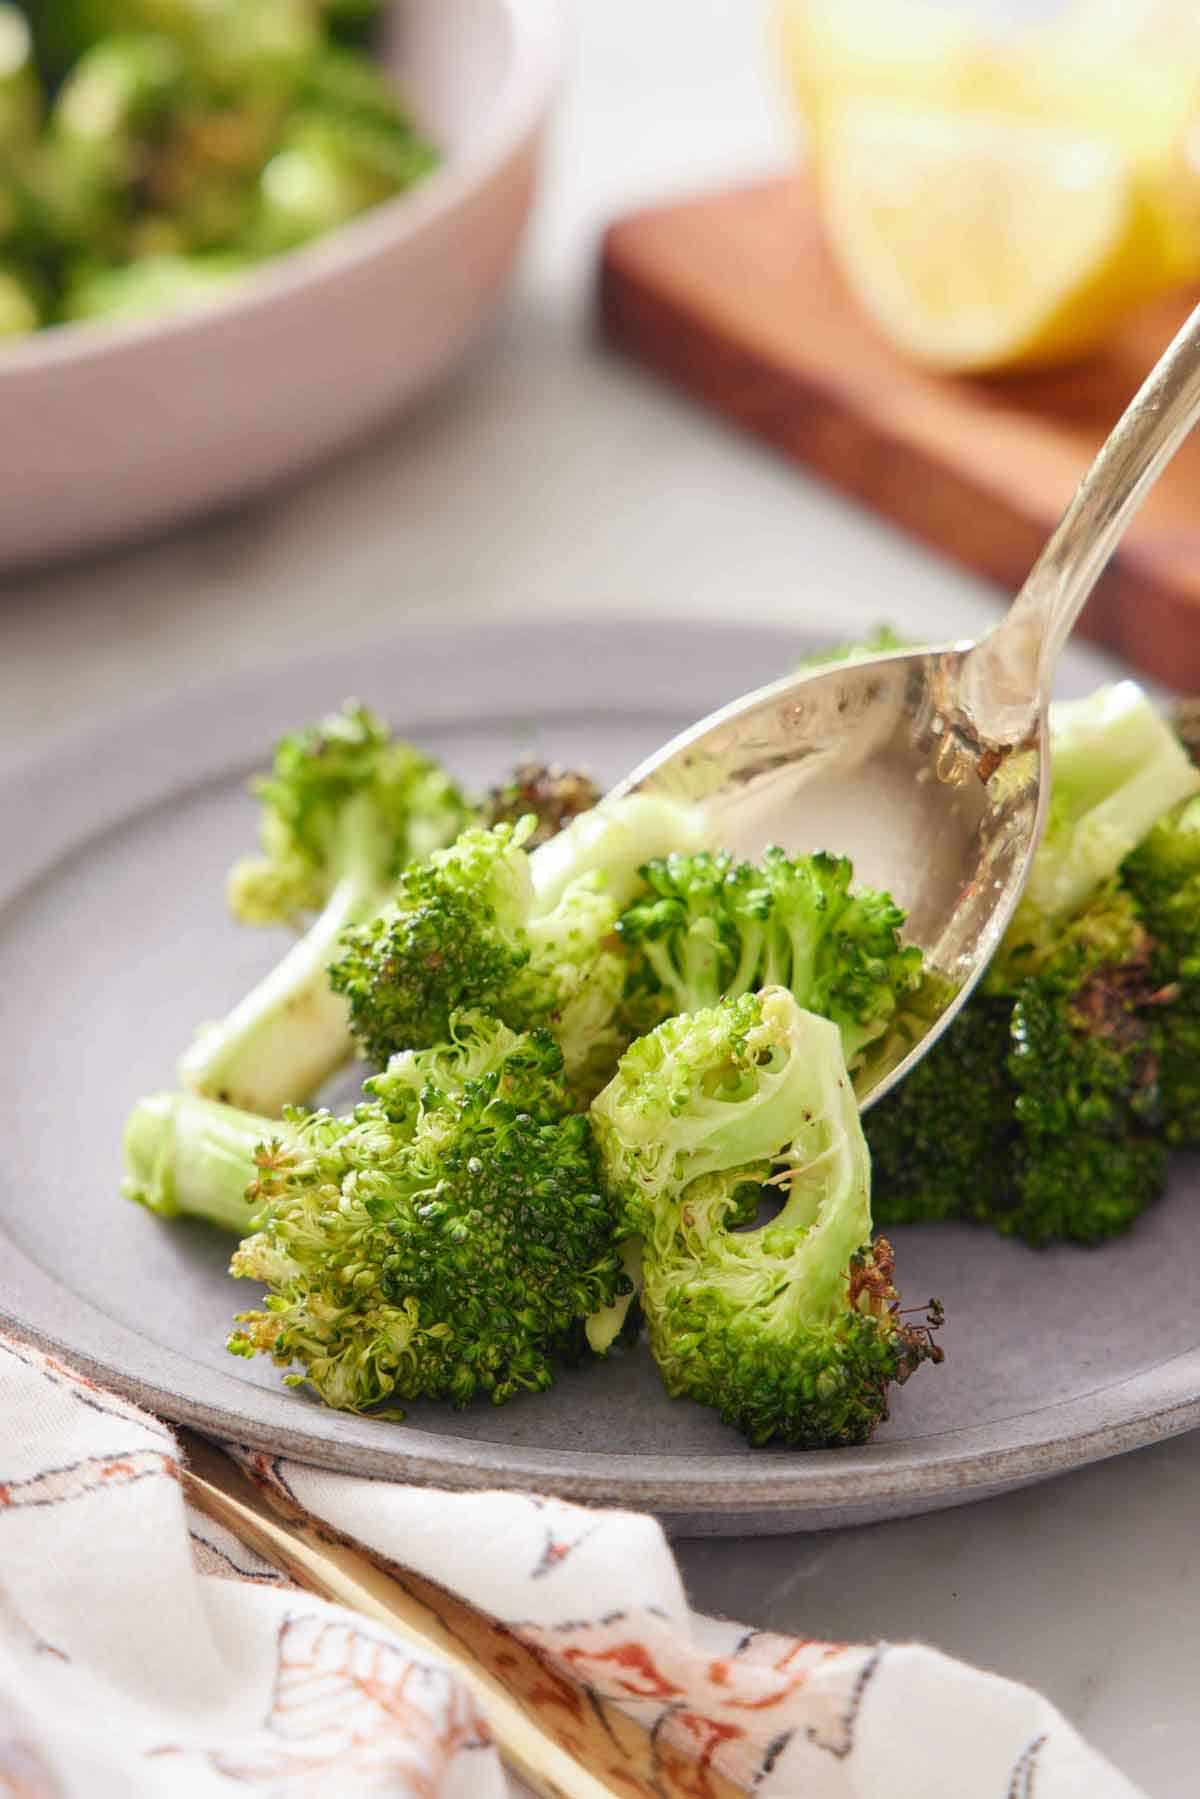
<point x="1002" y="199"/>
<point x="1129" y="70"/>
<point x="838" y="50"/>
<point x="980" y="241"/>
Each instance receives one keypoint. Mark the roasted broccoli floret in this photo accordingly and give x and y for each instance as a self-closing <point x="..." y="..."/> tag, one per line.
<point x="712" y="928"/>
<point x="553" y="795"/>
<point x="1163" y="876"/>
<point x="1042" y="1110"/>
<point x="1088" y="1161"/>
<point x="445" y="1240"/>
<point x="529" y="938"/>
<point x="1117" y="766"/>
<point x="344" y="809"/>
<point x="791" y="1330"/>
<point x="346" y="780"/>
<point x="153" y="150"/>
<point x="153" y="284"/>
<point x="329" y="168"/>
<point x="941" y="1141"/>
<point x="1038" y="1112"/>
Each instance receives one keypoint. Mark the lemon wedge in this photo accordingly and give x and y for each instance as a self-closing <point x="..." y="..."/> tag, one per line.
<point x="982" y="241"/>
<point x="1130" y="71"/>
<point x="837" y="50"/>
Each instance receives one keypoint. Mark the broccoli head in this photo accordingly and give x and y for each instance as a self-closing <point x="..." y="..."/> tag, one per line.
<point x="1087" y="1160"/>
<point x="1039" y="1110"/>
<point x="713" y="928"/>
<point x="343" y="795"/>
<point x="447" y="1239"/>
<point x="454" y="929"/>
<point x="1117" y="766"/>
<point x="1163" y="876"/>
<point x="530" y="938"/>
<point x="1043" y="1109"/>
<point x="941" y="1141"/>
<point x="791" y="1330"/>
<point x="344" y="809"/>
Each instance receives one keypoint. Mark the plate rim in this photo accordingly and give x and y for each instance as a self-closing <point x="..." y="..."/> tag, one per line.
<point x="949" y="1467"/>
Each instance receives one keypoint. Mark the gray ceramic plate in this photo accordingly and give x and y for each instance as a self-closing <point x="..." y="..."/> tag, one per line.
<point x="113" y="939"/>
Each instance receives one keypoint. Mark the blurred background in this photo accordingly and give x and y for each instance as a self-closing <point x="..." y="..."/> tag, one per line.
<point x="545" y="471"/>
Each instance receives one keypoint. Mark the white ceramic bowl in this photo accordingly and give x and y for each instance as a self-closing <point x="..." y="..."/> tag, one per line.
<point x="111" y="429"/>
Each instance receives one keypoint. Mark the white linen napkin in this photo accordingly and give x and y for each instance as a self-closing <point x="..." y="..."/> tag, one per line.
<point x="143" y="1651"/>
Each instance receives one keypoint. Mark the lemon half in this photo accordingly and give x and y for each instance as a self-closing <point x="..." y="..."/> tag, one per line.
<point x="979" y="241"/>
<point x="838" y="50"/>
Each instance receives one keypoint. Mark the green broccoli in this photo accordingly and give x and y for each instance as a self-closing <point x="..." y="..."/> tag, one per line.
<point x="1041" y="1112"/>
<point x="114" y="105"/>
<point x="528" y="937"/>
<point x="119" y="89"/>
<point x="351" y="21"/>
<point x="195" y="1158"/>
<point x="151" y="285"/>
<point x="445" y="1240"/>
<point x="140" y="135"/>
<point x="553" y="795"/>
<point x="1116" y="767"/>
<point x="791" y="1330"/>
<point x="20" y="88"/>
<point x="882" y="641"/>
<point x="229" y="42"/>
<point x="327" y="170"/>
<point x="713" y="928"/>
<point x="1038" y="1112"/>
<point x="197" y="192"/>
<point x="19" y="311"/>
<point x="64" y="29"/>
<point x="1163" y="876"/>
<point x="345" y="808"/>
<point x="941" y="1142"/>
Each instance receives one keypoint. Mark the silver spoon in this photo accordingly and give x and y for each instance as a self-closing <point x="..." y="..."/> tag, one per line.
<point x="930" y="768"/>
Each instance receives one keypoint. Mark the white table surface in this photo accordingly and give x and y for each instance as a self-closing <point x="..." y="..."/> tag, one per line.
<point x="548" y="477"/>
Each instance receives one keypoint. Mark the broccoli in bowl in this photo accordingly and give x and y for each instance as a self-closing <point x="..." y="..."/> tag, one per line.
<point x="153" y="151"/>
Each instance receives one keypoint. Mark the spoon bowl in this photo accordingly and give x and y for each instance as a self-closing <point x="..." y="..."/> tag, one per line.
<point x="874" y="760"/>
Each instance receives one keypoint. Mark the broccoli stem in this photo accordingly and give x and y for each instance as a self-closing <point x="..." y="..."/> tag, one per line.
<point x="614" y="840"/>
<point x="194" y="1157"/>
<point x="604" y="1327"/>
<point x="1117" y="767"/>
<point x="292" y="1031"/>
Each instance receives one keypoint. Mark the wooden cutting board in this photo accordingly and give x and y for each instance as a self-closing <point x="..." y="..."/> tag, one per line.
<point x="733" y="296"/>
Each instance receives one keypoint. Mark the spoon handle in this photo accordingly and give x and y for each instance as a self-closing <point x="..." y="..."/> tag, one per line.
<point x="1014" y="665"/>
